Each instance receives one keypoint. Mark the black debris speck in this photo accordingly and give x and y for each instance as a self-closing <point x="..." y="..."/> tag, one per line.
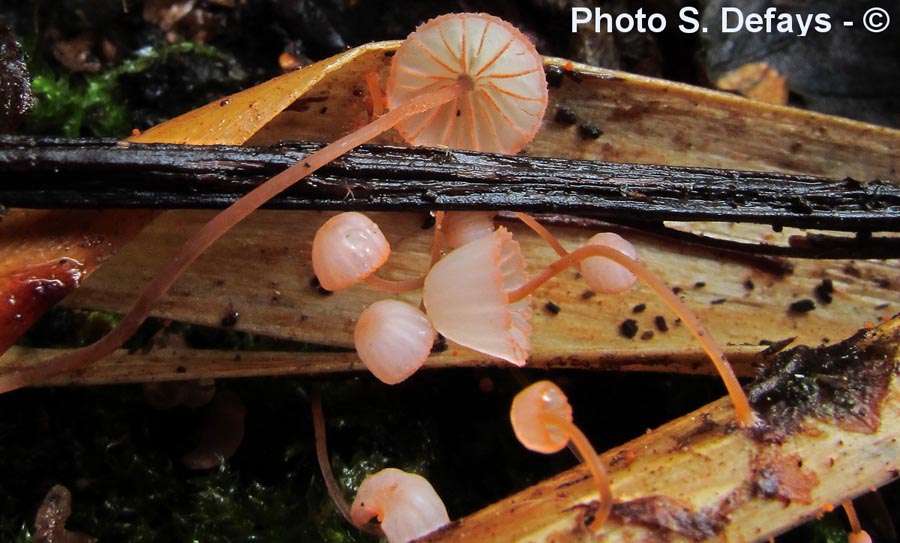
<point x="699" y="284"/>
<point x="639" y="308"/>
<point x="749" y="285"/>
<point x="660" y="322"/>
<point x="588" y="294"/>
<point x="717" y="301"/>
<point x="552" y="308"/>
<point x="628" y="328"/>
<point x="647" y="335"/>
<point x="824" y="291"/>
<point x="802" y="306"/>
<point x="565" y="115"/>
<point x="589" y="131"/>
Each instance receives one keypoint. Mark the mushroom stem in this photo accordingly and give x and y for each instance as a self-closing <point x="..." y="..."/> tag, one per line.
<point x="315" y="400"/>
<point x="594" y="464"/>
<point x="375" y="94"/>
<point x="437" y="243"/>
<point x="857" y="534"/>
<point x="540" y="230"/>
<point x="742" y="408"/>
<point x="218" y="226"/>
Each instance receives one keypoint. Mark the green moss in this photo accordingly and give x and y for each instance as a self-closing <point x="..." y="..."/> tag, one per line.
<point x="90" y="104"/>
<point x="828" y="529"/>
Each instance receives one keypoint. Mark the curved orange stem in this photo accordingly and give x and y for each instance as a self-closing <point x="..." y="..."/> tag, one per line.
<point x="594" y="464"/>
<point x="540" y="230"/>
<point x="744" y="413"/>
<point x="216" y="227"/>
<point x="331" y="484"/>
<point x="857" y="534"/>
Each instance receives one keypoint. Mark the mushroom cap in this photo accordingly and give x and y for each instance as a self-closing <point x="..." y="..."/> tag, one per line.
<point x="461" y="227"/>
<point x="532" y="412"/>
<point x="405" y="503"/>
<point x="393" y="339"/>
<point x="602" y="274"/>
<point x="503" y="110"/>
<point x="346" y="249"/>
<point x="465" y="295"/>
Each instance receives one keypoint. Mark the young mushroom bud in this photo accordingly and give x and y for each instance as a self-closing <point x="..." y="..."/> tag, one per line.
<point x="602" y="274"/>
<point x="348" y="248"/>
<point x="542" y="421"/>
<point x="405" y="504"/>
<point x="393" y="339"/>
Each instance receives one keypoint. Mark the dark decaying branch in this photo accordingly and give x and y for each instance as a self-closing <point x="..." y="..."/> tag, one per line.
<point x="49" y="173"/>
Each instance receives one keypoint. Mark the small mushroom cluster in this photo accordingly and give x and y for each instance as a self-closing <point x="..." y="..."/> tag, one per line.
<point x="470" y="81"/>
<point x="478" y="293"/>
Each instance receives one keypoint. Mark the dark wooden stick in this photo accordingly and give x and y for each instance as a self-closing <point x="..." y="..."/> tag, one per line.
<point x="58" y="173"/>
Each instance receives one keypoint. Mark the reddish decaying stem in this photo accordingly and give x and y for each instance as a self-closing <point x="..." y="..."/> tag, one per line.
<point x="742" y="408"/>
<point x="216" y="227"/>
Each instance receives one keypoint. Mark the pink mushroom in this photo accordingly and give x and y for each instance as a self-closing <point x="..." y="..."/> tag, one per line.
<point x="474" y="64"/>
<point x="603" y="275"/>
<point x="542" y="421"/>
<point x="347" y="249"/>
<point x="507" y="90"/>
<point x="405" y="504"/>
<point x="393" y="339"/>
<point x="466" y="297"/>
